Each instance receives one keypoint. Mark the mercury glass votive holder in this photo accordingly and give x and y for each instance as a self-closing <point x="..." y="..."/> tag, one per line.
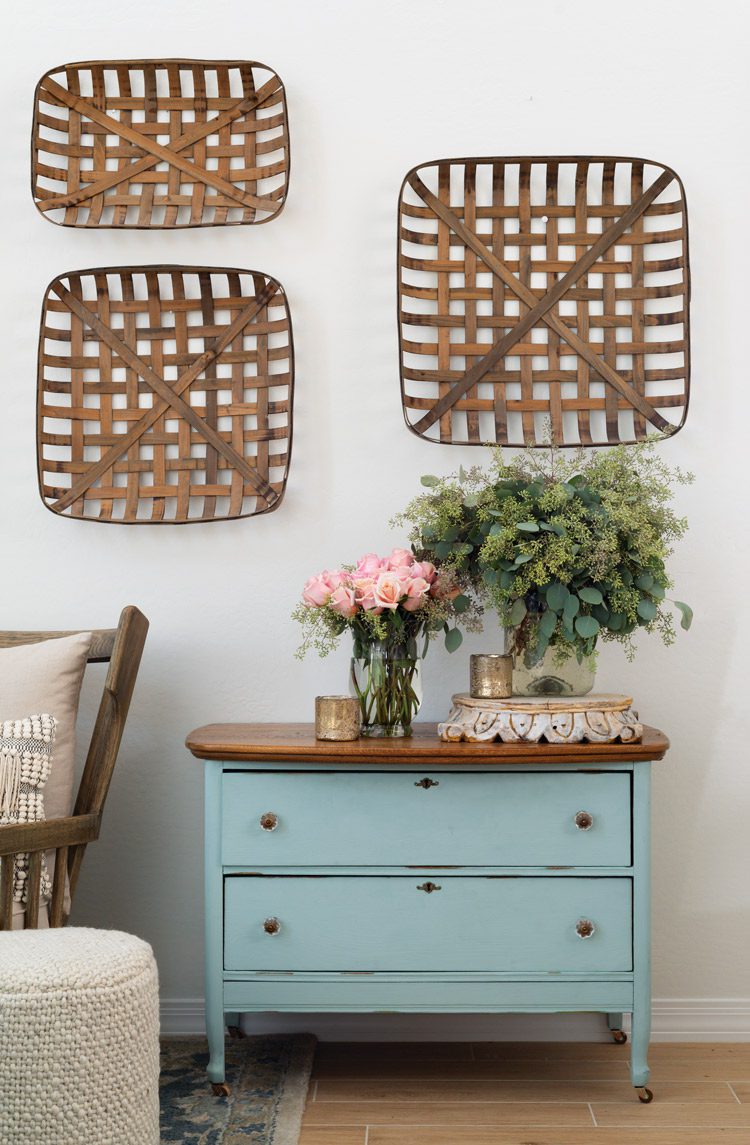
<point x="337" y="717"/>
<point x="491" y="676"/>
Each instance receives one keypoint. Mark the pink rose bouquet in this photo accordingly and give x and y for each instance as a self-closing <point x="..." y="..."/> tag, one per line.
<point x="390" y="605"/>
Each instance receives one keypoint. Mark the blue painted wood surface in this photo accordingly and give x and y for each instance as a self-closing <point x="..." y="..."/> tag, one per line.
<point x="388" y="923"/>
<point x="466" y="818"/>
<point x="510" y="943"/>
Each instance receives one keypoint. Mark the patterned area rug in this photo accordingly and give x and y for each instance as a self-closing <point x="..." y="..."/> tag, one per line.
<point x="269" y="1077"/>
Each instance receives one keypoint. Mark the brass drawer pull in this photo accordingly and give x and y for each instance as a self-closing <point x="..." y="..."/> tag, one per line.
<point x="584" y="820"/>
<point x="429" y="888"/>
<point x="272" y="926"/>
<point x="426" y="783"/>
<point x="585" y="928"/>
<point x="269" y="821"/>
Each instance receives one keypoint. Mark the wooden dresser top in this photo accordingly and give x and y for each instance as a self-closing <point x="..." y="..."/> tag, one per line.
<point x="289" y="742"/>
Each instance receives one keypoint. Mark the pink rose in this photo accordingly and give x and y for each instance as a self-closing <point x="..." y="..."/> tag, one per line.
<point x="425" y="569"/>
<point x="389" y="589"/>
<point x="343" y="601"/>
<point x="318" y="589"/>
<point x="417" y="590"/>
<point x="368" y="565"/>
<point x="364" y="588"/>
<point x="399" y="559"/>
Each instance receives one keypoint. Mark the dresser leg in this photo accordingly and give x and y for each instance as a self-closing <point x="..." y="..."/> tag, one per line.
<point x="214" y="931"/>
<point x="614" y="1021"/>
<point x="640" y="1033"/>
<point x="639" y="1039"/>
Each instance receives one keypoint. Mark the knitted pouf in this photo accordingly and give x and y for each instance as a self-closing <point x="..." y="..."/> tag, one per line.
<point x="79" y="1039"/>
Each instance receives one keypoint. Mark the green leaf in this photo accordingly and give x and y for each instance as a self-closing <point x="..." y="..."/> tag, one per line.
<point x="461" y="603"/>
<point x="442" y="550"/>
<point x="523" y="558"/>
<point x="489" y="576"/>
<point x="471" y="500"/>
<point x="570" y="608"/>
<point x="518" y="611"/>
<point x="601" y="612"/>
<point x="528" y="526"/>
<point x="590" y="594"/>
<point x="644" y="581"/>
<point x="429" y="480"/>
<point x="462" y="550"/>
<point x="656" y="591"/>
<point x="461" y="474"/>
<point x="506" y="579"/>
<point x="453" y="639"/>
<point x="687" y="614"/>
<point x="557" y="595"/>
<point x="548" y="623"/>
<point x="646" y="608"/>
<point x="616" y="621"/>
<point x="587" y="626"/>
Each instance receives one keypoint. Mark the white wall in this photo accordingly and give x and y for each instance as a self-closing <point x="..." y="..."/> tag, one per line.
<point x="374" y="89"/>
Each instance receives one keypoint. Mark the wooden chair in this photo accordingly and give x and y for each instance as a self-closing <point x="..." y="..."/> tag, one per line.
<point x="68" y="837"/>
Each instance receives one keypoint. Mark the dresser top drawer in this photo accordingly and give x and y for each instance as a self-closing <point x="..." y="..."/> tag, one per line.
<point x="419" y="819"/>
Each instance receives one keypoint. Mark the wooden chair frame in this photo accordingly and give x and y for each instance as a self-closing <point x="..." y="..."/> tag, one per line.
<point x="122" y="647"/>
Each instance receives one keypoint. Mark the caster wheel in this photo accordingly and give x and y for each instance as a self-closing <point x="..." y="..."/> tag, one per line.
<point x="235" y="1033"/>
<point x="220" y="1089"/>
<point x="620" y="1037"/>
<point x="645" y="1095"/>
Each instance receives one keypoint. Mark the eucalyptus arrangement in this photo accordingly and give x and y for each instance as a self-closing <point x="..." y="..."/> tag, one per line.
<point x="569" y="550"/>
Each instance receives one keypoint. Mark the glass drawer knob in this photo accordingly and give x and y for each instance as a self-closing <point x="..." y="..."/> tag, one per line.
<point x="584" y="820"/>
<point x="272" y="926"/>
<point x="585" y="928"/>
<point x="269" y="821"/>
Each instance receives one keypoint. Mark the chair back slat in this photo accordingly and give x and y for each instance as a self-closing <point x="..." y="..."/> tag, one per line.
<point x="33" y="890"/>
<point x="102" y="641"/>
<point x="57" y="901"/>
<point x="6" y="892"/>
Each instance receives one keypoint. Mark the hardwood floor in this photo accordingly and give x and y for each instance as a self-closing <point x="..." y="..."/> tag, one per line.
<point x="525" y="1093"/>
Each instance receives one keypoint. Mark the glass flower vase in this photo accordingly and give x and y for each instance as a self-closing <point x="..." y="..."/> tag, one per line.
<point x="386" y="680"/>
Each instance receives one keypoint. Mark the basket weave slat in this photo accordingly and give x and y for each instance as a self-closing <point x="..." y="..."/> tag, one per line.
<point x="543" y="298"/>
<point x="164" y="394"/>
<point x="160" y="143"/>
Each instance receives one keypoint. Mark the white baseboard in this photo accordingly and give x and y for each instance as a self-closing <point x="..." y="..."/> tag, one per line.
<point x="673" y="1020"/>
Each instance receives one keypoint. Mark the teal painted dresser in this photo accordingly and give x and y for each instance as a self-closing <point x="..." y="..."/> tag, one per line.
<point x="413" y="875"/>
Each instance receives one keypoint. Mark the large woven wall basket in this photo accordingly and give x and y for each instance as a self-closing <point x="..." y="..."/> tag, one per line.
<point x="164" y="394"/>
<point x="543" y="298"/>
<point x="160" y="143"/>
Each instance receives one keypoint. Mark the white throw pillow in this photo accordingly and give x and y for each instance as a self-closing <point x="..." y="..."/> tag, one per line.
<point x="47" y="677"/>
<point x="25" y="758"/>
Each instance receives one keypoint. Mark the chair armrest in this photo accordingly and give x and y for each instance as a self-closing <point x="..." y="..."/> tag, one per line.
<point x="48" y="834"/>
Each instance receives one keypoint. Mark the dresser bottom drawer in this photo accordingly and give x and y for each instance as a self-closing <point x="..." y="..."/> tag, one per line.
<point x="402" y="923"/>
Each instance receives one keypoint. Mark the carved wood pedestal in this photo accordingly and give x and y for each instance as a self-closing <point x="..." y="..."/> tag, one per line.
<point x="596" y="718"/>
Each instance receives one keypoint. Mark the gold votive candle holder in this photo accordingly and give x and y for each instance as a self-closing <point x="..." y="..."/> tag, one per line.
<point x="337" y="717"/>
<point x="491" y="676"/>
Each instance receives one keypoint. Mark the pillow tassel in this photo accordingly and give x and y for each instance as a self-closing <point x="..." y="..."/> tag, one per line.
<point x="10" y="783"/>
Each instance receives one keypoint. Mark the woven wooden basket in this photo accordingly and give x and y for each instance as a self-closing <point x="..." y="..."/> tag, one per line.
<point x="164" y="394"/>
<point x="160" y="143"/>
<point x="543" y="298"/>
